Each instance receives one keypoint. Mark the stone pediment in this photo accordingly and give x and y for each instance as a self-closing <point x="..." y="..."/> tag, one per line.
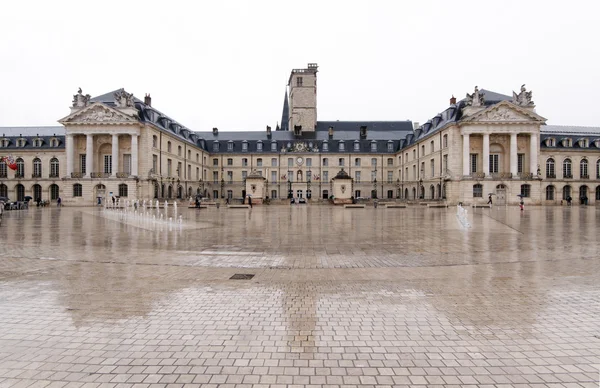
<point x="98" y="113"/>
<point x="505" y="112"/>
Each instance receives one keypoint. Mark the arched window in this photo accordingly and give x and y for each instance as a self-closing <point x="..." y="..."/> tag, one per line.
<point x="168" y="146"/>
<point x="123" y="190"/>
<point x="37" y="168"/>
<point x="154" y="141"/>
<point x="550" y="193"/>
<point x="598" y="169"/>
<point x="54" y="170"/>
<point x="445" y="141"/>
<point x="54" y="192"/>
<point x="583" y="169"/>
<point x="566" y="192"/>
<point x="550" y="171"/>
<point x="20" y="190"/>
<point x="77" y="190"/>
<point x="3" y="190"/>
<point x="178" y="150"/>
<point x="478" y="191"/>
<point x="567" y="169"/>
<point x="20" y="168"/>
<point x="37" y="192"/>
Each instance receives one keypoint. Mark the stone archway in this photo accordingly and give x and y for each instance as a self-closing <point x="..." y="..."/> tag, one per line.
<point x="99" y="193"/>
<point x="501" y="194"/>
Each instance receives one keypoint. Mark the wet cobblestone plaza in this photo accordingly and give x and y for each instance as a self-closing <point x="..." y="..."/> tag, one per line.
<point x="339" y="298"/>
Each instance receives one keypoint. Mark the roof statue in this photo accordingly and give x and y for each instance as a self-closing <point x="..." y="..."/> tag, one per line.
<point x="475" y="99"/>
<point x="124" y="99"/>
<point x="80" y="101"/>
<point x="523" y="98"/>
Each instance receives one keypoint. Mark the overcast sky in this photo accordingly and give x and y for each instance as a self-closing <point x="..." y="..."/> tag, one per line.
<point x="225" y="64"/>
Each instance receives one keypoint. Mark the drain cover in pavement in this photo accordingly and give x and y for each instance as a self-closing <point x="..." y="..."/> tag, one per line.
<point x="242" y="276"/>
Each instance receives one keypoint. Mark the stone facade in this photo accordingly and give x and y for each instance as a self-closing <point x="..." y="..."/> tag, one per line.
<point x="486" y="144"/>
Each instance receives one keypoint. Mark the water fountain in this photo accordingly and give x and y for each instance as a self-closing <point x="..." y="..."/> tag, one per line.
<point x="461" y="214"/>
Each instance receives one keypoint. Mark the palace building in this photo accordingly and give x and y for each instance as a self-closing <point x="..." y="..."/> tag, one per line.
<point x="487" y="143"/>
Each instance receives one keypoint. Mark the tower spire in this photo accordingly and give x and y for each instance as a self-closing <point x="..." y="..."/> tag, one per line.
<point x="285" y="114"/>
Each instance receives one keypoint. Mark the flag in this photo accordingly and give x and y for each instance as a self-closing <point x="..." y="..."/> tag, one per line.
<point x="10" y="162"/>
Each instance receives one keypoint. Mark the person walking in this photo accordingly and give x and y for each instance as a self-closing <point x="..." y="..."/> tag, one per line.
<point x="59" y="202"/>
<point x="522" y="204"/>
<point x="490" y="199"/>
<point x="250" y="201"/>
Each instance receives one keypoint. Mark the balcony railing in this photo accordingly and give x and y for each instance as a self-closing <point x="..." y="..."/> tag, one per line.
<point x="501" y="175"/>
<point x="19" y="175"/>
<point x="99" y="175"/>
<point x="77" y="175"/>
<point x="36" y="175"/>
<point x="3" y="175"/>
<point x="123" y="175"/>
<point x="568" y="176"/>
<point x="585" y="176"/>
<point x="53" y="175"/>
<point x="551" y="176"/>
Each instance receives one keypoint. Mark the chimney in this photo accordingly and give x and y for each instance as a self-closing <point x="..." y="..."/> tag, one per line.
<point x="215" y="131"/>
<point x="415" y="125"/>
<point x="363" y="131"/>
<point x="148" y="100"/>
<point x="453" y="100"/>
<point x="331" y="132"/>
<point x="268" y="131"/>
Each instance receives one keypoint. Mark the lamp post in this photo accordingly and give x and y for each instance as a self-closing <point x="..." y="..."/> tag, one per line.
<point x="290" y="194"/>
<point x="398" y="188"/>
<point x="421" y="193"/>
<point x="308" y="184"/>
<point x="222" y="187"/>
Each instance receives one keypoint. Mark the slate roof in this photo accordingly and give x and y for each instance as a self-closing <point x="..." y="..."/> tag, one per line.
<point x="32" y="133"/>
<point x="285" y="114"/>
<point x="570" y="130"/>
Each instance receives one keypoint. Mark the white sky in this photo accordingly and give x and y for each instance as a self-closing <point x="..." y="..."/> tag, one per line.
<point x="226" y="63"/>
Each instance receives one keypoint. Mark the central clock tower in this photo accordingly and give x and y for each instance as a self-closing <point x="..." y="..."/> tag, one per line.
<point x="303" y="99"/>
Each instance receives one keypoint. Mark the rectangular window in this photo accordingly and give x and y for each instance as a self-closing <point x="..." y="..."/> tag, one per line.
<point x="215" y="162"/>
<point x="325" y="162"/>
<point x="390" y="162"/>
<point x="215" y="177"/>
<point x="229" y="176"/>
<point x="390" y="147"/>
<point x="82" y="163"/>
<point x="432" y="145"/>
<point x="357" y="194"/>
<point x="3" y="171"/>
<point x="259" y="162"/>
<point x="357" y="176"/>
<point x="525" y="191"/>
<point x="325" y="146"/>
<point x="373" y="176"/>
<point x="299" y="81"/>
<point x="108" y="164"/>
<point x="432" y="162"/>
<point x="216" y="147"/>
<point x="477" y="191"/>
<point x="390" y="178"/>
<point x="273" y="146"/>
<point x="77" y="190"/>
<point x="356" y="146"/>
<point x="197" y="173"/>
<point x="169" y="163"/>
<point x="341" y="162"/>
<point x="127" y="164"/>
<point x="342" y="147"/>
<point x="230" y="194"/>
<point x="326" y="176"/>
<point x="308" y="162"/>
<point x="520" y="163"/>
<point x="414" y="172"/>
<point x="445" y="141"/>
<point x="473" y="163"/>
<point x="244" y="146"/>
<point x="179" y="169"/>
<point x="244" y="175"/>
<point x="290" y="162"/>
<point x="230" y="162"/>
<point x="445" y="163"/>
<point x="273" y="176"/>
<point x="357" y="162"/>
<point x="244" y="162"/>
<point x="290" y="176"/>
<point x="494" y="164"/>
<point x="155" y="164"/>
<point x="309" y="175"/>
<point x="274" y="162"/>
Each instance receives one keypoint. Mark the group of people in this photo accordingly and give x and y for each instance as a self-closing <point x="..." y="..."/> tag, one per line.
<point x="521" y="202"/>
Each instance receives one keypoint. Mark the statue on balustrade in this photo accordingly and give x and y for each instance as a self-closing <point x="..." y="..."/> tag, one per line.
<point x="475" y="99"/>
<point x="124" y="99"/>
<point x="80" y="100"/>
<point x="523" y="98"/>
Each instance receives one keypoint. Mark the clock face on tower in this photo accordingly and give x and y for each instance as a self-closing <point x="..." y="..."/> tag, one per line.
<point x="299" y="161"/>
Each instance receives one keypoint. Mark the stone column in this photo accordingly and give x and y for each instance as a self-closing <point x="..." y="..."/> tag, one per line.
<point x="134" y="155"/>
<point x="115" y="154"/>
<point x="486" y="154"/>
<point x="89" y="155"/>
<point x="466" y="150"/>
<point x="70" y="154"/>
<point x="513" y="154"/>
<point x="533" y="157"/>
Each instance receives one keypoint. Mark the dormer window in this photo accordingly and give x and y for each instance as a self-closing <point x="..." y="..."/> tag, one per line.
<point x="597" y="143"/>
<point x="341" y="146"/>
<point x="567" y="142"/>
<point x="37" y="142"/>
<point x="551" y="142"/>
<point x="230" y="145"/>
<point x="356" y="145"/>
<point x="582" y="143"/>
<point x="215" y="146"/>
<point x="54" y="142"/>
<point x="373" y="146"/>
<point x="259" y="146"/>
<point x="390" y="146"/>
<point x="273" y="146"/>
<point x="21" y="142"/>
<point x="4" y="143"/>
<point x="244" y="146"/>
<point x="325" y="146"/>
